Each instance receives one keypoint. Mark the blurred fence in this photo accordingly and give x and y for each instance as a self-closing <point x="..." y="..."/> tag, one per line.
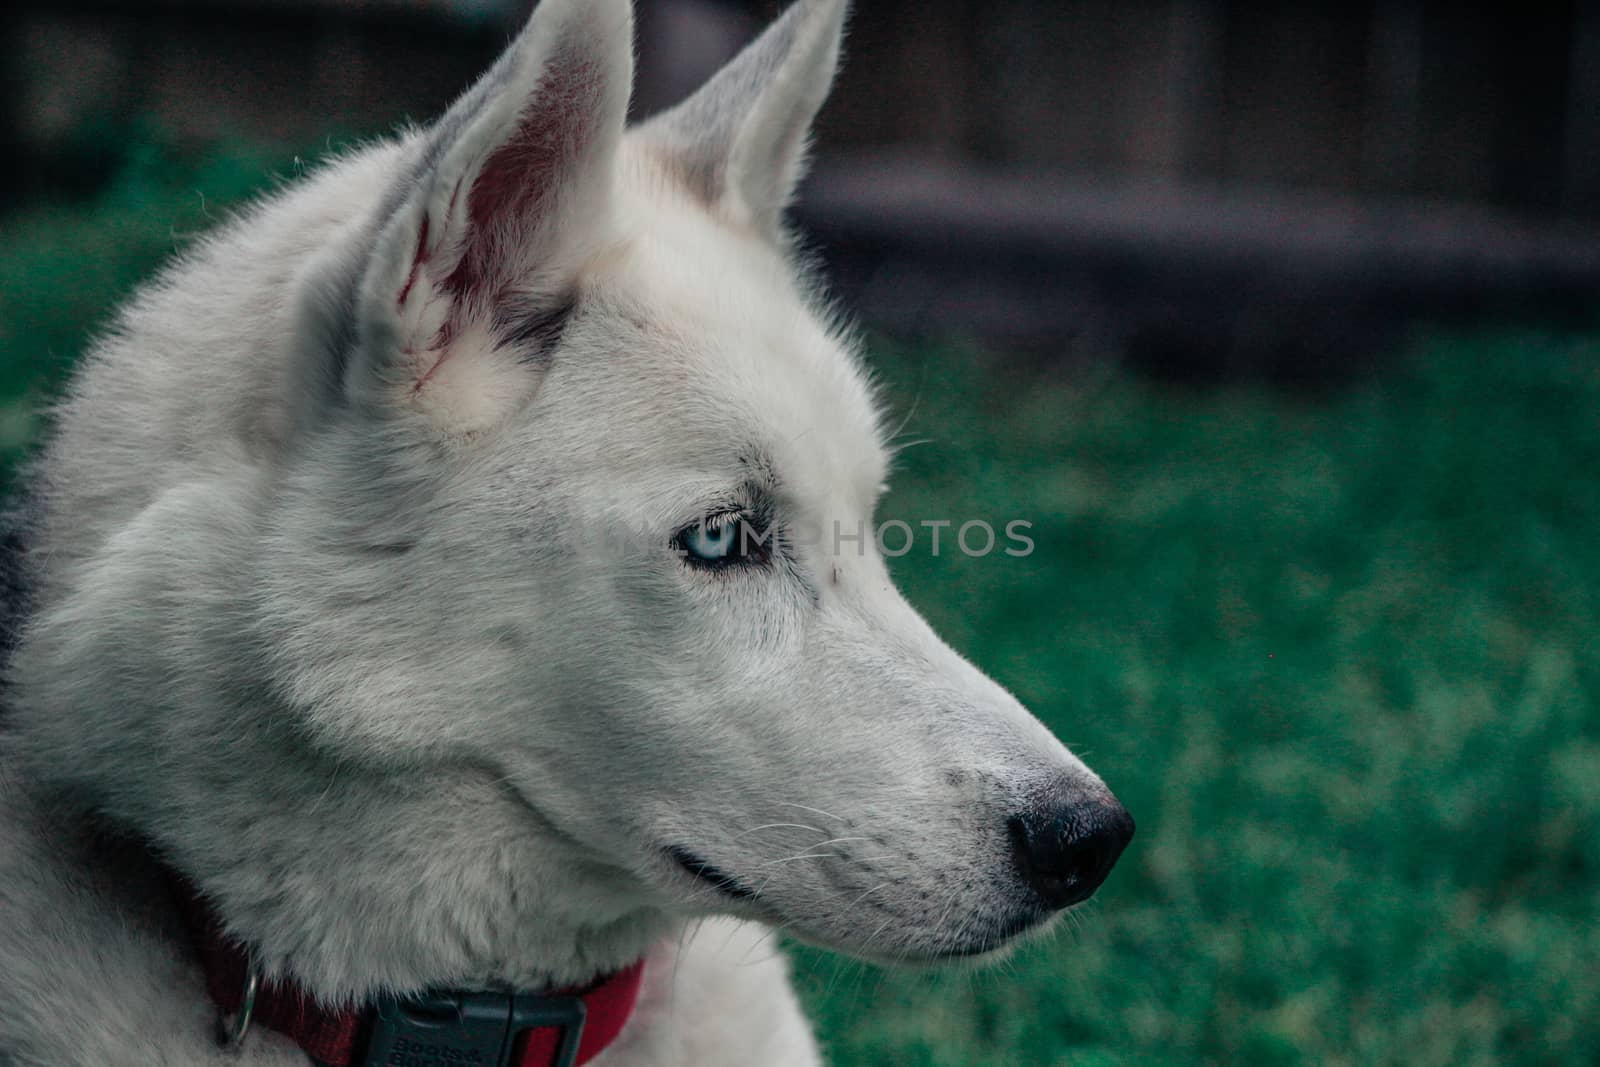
<point x="1310" y="161"/>
<point x="1497" y="102"/>
<point x="1492" y="103"/>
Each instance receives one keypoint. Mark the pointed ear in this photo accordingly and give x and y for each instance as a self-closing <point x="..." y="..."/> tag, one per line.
<point x="740" y="142"/>
<point x="486" y="227"/>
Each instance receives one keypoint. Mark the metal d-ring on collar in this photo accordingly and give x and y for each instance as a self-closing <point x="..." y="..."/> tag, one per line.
<point x="231" y="1035"/>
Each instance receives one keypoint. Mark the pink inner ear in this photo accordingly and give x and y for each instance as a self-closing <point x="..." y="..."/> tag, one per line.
<point x="518" y="186"/>
<point x="418" y="258"/>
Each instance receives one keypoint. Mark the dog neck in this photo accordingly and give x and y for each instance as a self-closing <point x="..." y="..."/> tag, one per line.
<point x="442" y="879"/>
<point x="544" y="1027"/>
<point x="349" y="881"/>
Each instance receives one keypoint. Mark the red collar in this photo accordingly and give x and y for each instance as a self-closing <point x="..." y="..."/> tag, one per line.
<point x="352" y="1037"/>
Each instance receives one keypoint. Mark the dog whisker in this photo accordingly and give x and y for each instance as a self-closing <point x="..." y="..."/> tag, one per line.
<point x="816" y="856"/>
<point x="778" y="826"/>
<point x="814" y="811"/>
<point x="839" y="841"/>
<point x="799" y="856"/>
<point x="865" y="895"/>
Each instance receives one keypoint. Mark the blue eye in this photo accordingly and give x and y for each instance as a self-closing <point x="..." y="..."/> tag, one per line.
<point x="712" y="543"/>
<point x="720" y="541"/>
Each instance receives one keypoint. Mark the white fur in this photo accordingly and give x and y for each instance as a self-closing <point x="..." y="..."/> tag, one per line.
<point x="374" y="630"/>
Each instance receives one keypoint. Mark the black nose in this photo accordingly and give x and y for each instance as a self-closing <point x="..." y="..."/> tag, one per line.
<point x="1064" y="851"/>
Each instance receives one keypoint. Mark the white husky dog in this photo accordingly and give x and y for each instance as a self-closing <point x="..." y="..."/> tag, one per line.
<point x="414" y="606"/>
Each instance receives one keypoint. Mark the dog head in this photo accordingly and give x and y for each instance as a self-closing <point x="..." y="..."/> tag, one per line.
<point x="586" y="407"/>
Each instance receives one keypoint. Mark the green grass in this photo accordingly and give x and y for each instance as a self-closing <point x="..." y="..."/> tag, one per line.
<point x="1337" y="657"/>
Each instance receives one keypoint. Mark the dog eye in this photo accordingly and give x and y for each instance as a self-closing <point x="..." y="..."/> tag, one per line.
<point x="720" y="541"/>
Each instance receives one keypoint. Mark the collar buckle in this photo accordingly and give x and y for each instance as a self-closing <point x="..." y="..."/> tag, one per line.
<point x="470" y="1029"/>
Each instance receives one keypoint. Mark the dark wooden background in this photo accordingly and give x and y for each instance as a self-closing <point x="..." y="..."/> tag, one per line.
<point x="1049" y="175"/>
